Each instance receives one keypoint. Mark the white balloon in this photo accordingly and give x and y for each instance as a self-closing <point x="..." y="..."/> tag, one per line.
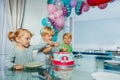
<point x="59" y="4"/>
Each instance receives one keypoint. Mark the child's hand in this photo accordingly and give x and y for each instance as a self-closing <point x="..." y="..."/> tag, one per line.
<point x="56" y="44"/>
<point x="50" y="43"/>
<point x="18" y="67"/>
<point x="51" y="58"/>
<point x="64" y="49"/>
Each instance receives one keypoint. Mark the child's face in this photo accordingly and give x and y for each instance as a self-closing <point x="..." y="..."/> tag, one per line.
<point x="25" y="39"/>
<point x="48" y="37"/>
<point x="67" y="40"/>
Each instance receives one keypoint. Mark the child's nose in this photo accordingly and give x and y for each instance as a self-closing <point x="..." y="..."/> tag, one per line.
<point x="28" y="41"/>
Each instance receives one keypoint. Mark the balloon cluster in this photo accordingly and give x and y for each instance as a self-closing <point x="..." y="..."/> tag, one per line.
<point x="58" y="9"/>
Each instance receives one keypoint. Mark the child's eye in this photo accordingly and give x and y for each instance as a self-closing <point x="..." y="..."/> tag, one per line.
<point x="27" y="38"/>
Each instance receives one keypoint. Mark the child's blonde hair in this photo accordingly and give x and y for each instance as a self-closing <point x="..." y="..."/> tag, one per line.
<point x="47" y="30"/>
<point x="17" y="34"/>
<point x="68" y="35"/>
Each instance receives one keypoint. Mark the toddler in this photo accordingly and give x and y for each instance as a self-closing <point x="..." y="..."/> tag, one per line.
<point x="44" y="55"/>
<point x="21" y="54"/>
<point x="66" y="47"/>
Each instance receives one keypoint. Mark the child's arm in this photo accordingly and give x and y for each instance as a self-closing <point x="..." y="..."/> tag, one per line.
<point x="56" y="44"/>
<point x="48" y="49"/>
<point x="18" y="67"/>
<point x="38" y="46"/>
<point x="9" y="62"/>
<point x="51" y="58"/>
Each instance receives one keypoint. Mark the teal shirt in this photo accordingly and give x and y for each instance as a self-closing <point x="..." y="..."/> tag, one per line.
<point x="66" y="46"/>
<point x="16" y="56"/>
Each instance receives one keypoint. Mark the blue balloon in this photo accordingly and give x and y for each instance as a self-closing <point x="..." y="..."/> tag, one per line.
<point x="44" y="21"/>
<point x="77" y="8"/>
<point x="55" y="36"/>
<point x="66" y="1"/>
<point x="51" y="1"/>
<point x="68" y="9"/>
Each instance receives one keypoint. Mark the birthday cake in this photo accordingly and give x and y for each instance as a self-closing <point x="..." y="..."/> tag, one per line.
<point x="63" y="59"/>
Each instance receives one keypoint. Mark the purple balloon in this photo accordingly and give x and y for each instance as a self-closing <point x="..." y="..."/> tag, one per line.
<point x="73" y="3"/>
<point x="65" y="12"/>
<point x="52" y="21"/>
<point x="58" y="28"/>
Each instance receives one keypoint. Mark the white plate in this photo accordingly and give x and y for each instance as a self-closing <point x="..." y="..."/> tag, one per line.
<point x="112" y="61"/>
<point x="105" y="76"/>
<point x="34" y="64"/>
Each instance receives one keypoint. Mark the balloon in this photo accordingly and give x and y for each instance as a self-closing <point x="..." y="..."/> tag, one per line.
<point x="68" y="10"/>
<point x="81" y="8"/>
<point x="78" y="7"/>
<point x="86" y="6"/>
<point x="65" y="12"/>
<point x="73" y="3"/>
<point x="51" y="16"/>
<point x="55" y="35"/>
<point x="97" y="2"/>
<point x="58" y="13"/>
<point x="58" y="27"/>
<point x="52" y="22"/>
<point x="45" y="22"/>
<point x="59" y="4"/>
<point x="51" y="1"/>
<point x="102" y="6"/>
<point x="60" y="21"/>
<point x="66" y="2"/>
<point x="51" y="8"/>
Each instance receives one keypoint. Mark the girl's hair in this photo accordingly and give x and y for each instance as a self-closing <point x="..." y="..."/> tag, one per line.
<point x="46" y="31"/>
<point x="67" y="34"/>
<point x="17" y="34"/>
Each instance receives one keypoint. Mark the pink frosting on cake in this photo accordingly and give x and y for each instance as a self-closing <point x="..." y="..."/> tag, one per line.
<point x="63" y="59"/>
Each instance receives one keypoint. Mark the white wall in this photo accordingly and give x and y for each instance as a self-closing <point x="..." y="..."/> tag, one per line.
<point x="35" y="11"/>
<point x="97" y="34"/>
<point x="98" y="29"/>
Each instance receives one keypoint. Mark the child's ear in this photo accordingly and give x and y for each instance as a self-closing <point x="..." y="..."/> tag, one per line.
<point x="17" y="39"/>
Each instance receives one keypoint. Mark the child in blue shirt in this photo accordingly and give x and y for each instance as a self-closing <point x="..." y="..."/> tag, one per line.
<point x="21" y="54"/>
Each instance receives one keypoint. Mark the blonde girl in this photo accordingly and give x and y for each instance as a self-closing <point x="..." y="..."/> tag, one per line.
<point x="21" y="54"/>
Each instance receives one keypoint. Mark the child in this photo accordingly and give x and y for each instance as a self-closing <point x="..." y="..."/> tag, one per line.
<point x="21" y="54"/>
<point x="66" y="47"/>
<point x="45" y="54"/>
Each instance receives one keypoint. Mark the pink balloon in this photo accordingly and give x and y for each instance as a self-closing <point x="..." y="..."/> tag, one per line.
<point x="86" y="6"/>
<point x="102" y="6"/>
<point x="60" y="21"/>
<point x="51" y="8"/>
<point x="51" y="16"/>
<point x="58" y="13"/>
